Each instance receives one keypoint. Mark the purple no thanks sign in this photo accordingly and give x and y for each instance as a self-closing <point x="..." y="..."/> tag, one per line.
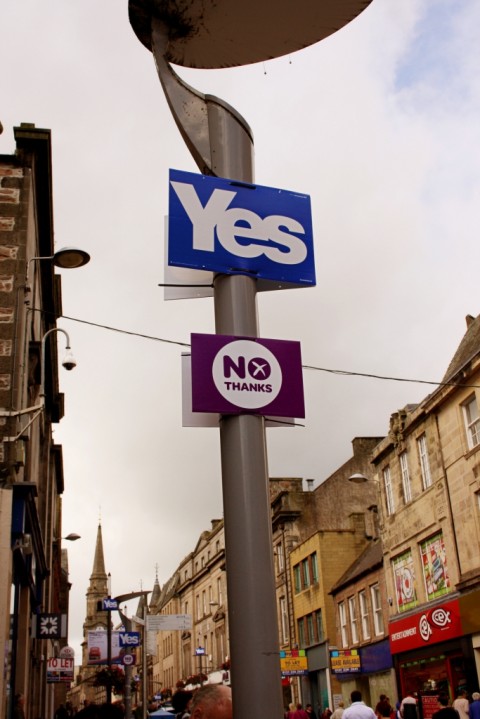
<point x="234" y="375"/>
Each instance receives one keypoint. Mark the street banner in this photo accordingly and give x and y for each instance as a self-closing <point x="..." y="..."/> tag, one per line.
<point x="239" y="228"/>
<point x="97" y="644"/>
<point x="234" y="375"/>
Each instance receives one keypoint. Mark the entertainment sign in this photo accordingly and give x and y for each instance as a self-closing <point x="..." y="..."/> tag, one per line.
<point x="431" y="626"/>
<point x="233" y="227"/>
<point x="249" y="375"/>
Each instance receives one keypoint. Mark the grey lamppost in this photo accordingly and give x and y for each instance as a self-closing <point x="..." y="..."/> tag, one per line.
<point x="212" y="34"/>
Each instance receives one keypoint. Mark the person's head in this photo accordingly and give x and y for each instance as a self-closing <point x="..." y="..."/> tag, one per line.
<point x="462" y="693"/>
<point x="443" y="700"/>
<point x="181" y="700"/>
<point x="356" y="696"/>
<point x="383" y="697"/>
<point x="291" y="707"/>
<point x="476" y="696"/>
<point x="341" y="705"/>
<point x="213" y="701"/>
<point x="308" y="708"/>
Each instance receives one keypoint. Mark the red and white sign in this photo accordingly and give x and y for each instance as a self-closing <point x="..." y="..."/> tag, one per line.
<point x="59" y="670"/>
<point x="437" y="624"/>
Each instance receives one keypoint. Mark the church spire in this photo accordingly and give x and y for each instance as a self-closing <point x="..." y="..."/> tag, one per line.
<point x="98" y="571"/>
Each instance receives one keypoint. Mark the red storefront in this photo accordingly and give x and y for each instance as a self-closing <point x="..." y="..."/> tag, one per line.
<point x="432" y="654"/>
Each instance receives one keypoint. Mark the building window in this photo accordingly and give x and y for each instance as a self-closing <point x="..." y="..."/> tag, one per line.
<point x="407" y="487"/>
<point x="424" y="461"/>
<point x="472" y="421"/>
<point x="353" y="620"/>
<point x="204" y="602"/>
<point x="319" y="624"/>
<point x="301" y="632"/>
<point x="342" y="612"/>
<point x="377" y="610"/>
<point x="280" y="558"/>
<point x="404" y="581"/>
<point x="362" y="597"/>
<point x="197" y="606"/>
<point x="297" y="578"/>
<point x="306" y="572"/>
<point x="284" y="620"/>
<point x="219" y="592"/>
<point x="434" y="566"/>
<point x="387" y="481"/>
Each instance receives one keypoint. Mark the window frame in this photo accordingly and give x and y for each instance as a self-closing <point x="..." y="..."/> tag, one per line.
<point x="472" y="423"/>
<point x="426" y="471"/>
<point x="364" y="614"/>
<point x="406" y="481"/>
<point x="352" y="611"/>
<point x="377" y="612"/>
<point x="387" y="483"/>
<point x="284" y="620"/>
<point x="342" y="617"/>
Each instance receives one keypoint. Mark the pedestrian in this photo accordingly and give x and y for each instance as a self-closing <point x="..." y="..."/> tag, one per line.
<point x="19" y="706"/>
<point x="212" y="701"/>
<point x="290" y="711"/>
<point x="475" y="706"/>
<point x="358" y="709"/>
<point x="444" y="710"/>
<point x="408" y="707"/>
<point x="181" y="703"/>
<point x="299" y="712"/>
<point x="338" y="713"/>
<point x="461" y="704"/>
<point x="383" y="707"/>
<point x="61" y="712"/>
<point x="310" y="712"/>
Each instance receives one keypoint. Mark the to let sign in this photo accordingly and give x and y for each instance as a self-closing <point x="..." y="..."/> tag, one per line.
<point x="59" y="670"/>
<point x="293" y="663"/>
<point x="233" y="227"/>
<point x="234" y="375"/>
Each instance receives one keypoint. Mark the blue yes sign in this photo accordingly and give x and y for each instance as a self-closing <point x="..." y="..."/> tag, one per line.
<point x="233" y="227"/>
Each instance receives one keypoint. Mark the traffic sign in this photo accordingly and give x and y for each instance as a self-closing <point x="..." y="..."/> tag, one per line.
<point x="128" y="659"/>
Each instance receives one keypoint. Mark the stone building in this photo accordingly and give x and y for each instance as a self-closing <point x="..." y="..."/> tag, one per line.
<point x="361" y="659"/>
<point x="428" y="469"/>
<point x="32" y="578"/>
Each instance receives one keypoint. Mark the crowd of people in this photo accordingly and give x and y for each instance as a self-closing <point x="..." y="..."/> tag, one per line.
<point x="407" y="708"/>
<point x="214" y="701"/>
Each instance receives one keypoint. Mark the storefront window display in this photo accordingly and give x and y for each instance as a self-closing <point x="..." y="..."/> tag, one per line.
<point x="404" y="579"/>
<point x="434" y="564"/>
<point x="430" y="676"/>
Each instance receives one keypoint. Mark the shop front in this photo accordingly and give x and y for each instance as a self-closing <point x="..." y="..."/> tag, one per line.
<point x="368" y="669"/>
<point x="432" y="655"/>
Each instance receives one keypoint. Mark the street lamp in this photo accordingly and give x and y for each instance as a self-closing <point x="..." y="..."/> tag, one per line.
<point x="72" y="537"/>
<point x="66" y="257"/>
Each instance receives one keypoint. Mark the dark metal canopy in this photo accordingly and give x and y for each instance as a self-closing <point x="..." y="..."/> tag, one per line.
<point x="228" y="33"/>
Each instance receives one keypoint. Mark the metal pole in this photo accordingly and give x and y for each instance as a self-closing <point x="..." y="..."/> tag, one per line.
<point x="144" y="664"/>
<point x="256" y="679"/>
<point x="109" y="654"/>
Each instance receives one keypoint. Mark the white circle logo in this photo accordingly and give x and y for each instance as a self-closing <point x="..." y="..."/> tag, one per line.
<point x="247" y="374"/>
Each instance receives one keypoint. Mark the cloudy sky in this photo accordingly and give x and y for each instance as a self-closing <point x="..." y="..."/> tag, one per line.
<point x="380" y="124"/>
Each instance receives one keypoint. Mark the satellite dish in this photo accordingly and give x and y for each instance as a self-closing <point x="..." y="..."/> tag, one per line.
<point x="228" y="33"/>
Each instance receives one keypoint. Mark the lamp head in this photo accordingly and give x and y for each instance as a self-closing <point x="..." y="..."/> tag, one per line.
<point x="72" y="537"/>
<point x="358" y="478"/>
<point x="70" y="257"/>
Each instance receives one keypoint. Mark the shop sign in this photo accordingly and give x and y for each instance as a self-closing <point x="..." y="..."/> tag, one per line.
<point x="293" y="663"/>
<point x="437" y="624"/>
<point x="429" y="705"/>
<point x="345" y="661"/>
